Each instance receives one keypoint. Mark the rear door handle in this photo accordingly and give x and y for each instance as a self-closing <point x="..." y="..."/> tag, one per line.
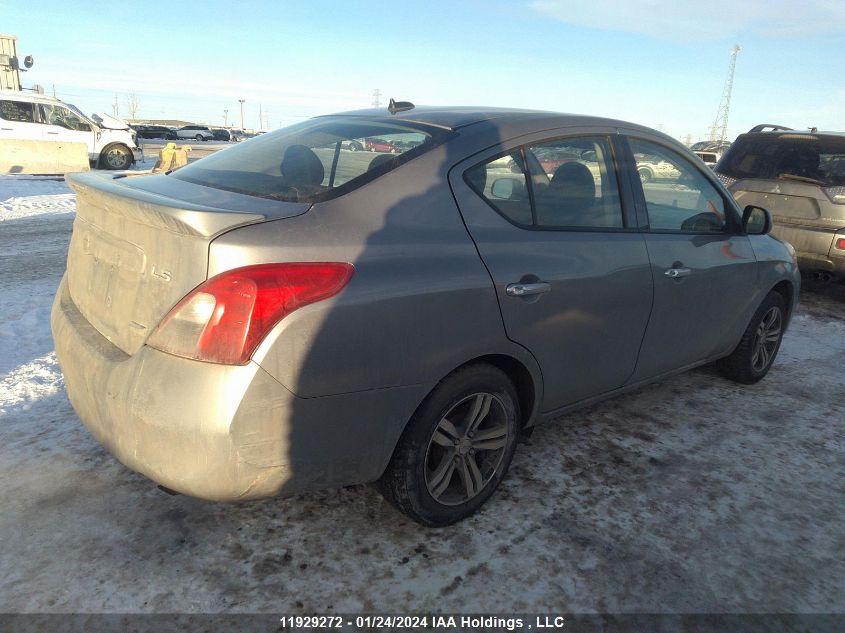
<point x="674" y="273"/>
<point x="524" y="290"/>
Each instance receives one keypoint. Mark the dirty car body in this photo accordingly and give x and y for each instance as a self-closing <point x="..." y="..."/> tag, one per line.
<point x="799" y="175"/>
<point x="431" y="260"/>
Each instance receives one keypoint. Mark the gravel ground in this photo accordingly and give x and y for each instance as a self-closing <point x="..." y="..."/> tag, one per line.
<point x="691" y="495"/>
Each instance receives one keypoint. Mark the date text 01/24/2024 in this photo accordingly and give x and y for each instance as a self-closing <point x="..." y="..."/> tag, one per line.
<point x="421" y="622"/>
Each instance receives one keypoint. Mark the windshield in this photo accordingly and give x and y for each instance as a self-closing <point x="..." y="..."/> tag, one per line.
<point x="311" y="161"/>
<point x="789" y="157"/>
<point x="78" y="112"/>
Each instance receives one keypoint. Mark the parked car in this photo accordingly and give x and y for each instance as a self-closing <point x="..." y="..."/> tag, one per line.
<point x="155" y="131"/>
<point x="236" y="135"/>
<point x="710" y="151"/>
<point x="112" y="144"/>
<point x="380" y="145"/>
<point x="198" y="132"/>
<point x="273" y="319"/>
<point x="221" y="134"/>
<point x="800" y="177"/>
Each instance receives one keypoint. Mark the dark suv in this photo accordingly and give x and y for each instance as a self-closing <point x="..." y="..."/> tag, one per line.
<point x="800" y="177"/>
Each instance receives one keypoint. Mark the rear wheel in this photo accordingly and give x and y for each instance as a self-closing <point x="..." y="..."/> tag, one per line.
<point x="116" y="157"/>
<point x="645" y="174"/>
<point x="199" y="137"/>
<point x="456" y="449"/>
<point x="753" y="357"/>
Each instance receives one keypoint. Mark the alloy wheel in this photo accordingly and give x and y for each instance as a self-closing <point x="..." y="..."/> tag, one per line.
<point x="767" y="339"/>
<point x="466" y="449"/>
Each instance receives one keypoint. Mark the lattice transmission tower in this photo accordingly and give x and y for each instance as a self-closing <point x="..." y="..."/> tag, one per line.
<point x="719" y="129"/>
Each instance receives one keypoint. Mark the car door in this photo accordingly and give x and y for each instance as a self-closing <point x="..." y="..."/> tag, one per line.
<point x="703" y="266"/>
<point x="60" y="124"/>
<point x="572" y="275"/>
<point x="18" y="121"/>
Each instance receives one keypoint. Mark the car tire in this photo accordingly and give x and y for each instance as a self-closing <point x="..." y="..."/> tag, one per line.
<point x="199" y="137"/>
<point x="116" y="157"/>
<point x="759" y="345"/>
<point x="442" y="472"/>
<point x="646" y="175"/>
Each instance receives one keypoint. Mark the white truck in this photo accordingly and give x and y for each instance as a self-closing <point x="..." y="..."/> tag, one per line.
<point x="111" y="143"/>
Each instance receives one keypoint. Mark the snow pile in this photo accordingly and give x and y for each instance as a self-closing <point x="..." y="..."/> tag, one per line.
<point x="26" y="206"/>
<point x="29" y="383"/>
<point x="26" y="196"/>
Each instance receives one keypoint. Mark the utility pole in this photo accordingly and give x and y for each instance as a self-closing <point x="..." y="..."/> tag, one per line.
<point x="719" y="129"/>
<point x="376" y="98"/>
<point x="260" y="117"/>
<point x="54" y="91"/>
<point x="114" y="106"/>
<point x="225" y="118"/>
<point x="242" y="113"/>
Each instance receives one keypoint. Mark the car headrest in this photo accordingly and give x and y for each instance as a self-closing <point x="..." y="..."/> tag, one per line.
<point x="573" y="180"/>
<point x="301" y="166"/>
<point x="379" y="160"/>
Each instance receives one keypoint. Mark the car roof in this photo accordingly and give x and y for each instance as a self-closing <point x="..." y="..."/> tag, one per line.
<point x="455" y="117"/>
<point x="791" y="134"/>
<point x="20" y="95"/>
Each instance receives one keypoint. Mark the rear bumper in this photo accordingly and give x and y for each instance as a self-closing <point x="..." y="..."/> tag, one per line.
<point x="219" y="432"/>
<point x="814" y="247"/>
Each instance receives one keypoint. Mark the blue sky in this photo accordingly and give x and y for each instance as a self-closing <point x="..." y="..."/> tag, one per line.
<point x="653" y="62"/>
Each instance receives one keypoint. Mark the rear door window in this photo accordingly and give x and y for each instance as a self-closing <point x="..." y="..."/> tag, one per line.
<point x="502" y="183"/>
<point x="18" y="111"/>
<point x="565" y="183"/>
<point x="575" y="183"/>
<point x="681" y="198"/>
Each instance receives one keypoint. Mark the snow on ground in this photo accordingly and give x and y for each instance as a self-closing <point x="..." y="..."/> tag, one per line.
<point x="691" y="495"/>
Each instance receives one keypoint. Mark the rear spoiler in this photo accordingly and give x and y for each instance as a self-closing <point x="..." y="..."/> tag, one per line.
<point x="769" y="126"/>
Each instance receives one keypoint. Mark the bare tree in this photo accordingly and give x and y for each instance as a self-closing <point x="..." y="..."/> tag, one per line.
<point x="133" y="105"/>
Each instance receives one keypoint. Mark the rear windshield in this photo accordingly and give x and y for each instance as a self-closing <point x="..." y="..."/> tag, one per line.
<point x="788" y="157"/>
<point x="312" y="161"/>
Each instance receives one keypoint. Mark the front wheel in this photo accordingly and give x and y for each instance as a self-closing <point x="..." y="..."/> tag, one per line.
<point x="759" y="345"/>
<point x="199" y="137"/>
<point x="116" y="157"/>
<point x="456" y="449"/>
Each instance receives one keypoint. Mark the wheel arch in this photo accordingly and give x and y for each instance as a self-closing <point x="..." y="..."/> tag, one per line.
<point x="786" y="290"/>
<point x="101" y="156"/>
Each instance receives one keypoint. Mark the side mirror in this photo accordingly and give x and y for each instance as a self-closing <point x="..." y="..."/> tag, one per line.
<point x="756" y="220"/>
<point x="503" y="188"/>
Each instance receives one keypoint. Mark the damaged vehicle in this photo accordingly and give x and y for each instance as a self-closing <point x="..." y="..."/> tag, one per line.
<point x="287" y="316"/>
<point x="111" y="143"/>
<point x="799" y="175"/>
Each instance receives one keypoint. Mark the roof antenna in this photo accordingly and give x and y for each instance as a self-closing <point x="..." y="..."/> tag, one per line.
<point x="399" y="106"/>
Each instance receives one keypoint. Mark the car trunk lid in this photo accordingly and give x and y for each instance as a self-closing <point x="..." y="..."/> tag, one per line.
<point x="140" y="244"/>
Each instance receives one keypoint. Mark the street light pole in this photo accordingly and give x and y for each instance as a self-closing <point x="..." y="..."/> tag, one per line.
<point x="225" y="118"/>
<point x="242" y="112"/>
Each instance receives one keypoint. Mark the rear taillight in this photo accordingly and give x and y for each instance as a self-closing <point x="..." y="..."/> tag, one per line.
<point x="836" y="194"/>
<point x="726" y="180"/>
<point x="840" y="243"/>
<point x="224" y="319"/>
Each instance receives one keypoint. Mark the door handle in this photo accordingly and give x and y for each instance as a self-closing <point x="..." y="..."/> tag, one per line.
<point x="524" y="290"/>
<point x="54" y="133"/>
<point x="674" y="273"/>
